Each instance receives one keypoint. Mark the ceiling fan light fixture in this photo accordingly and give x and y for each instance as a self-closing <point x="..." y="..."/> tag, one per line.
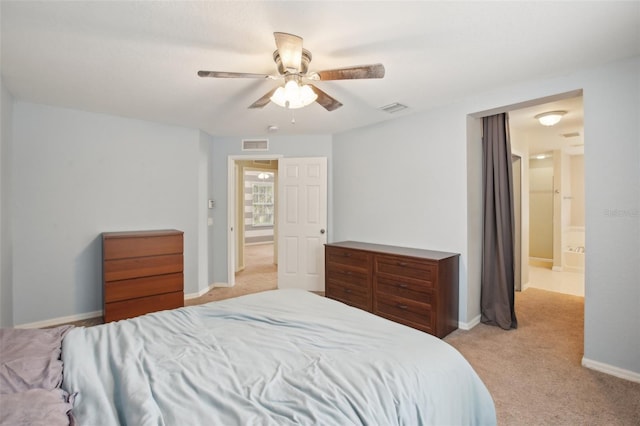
<point x="293" y="95"/>
<point x="550" y="118"/>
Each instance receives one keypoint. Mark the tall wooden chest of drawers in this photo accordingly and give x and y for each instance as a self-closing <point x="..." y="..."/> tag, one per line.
<point x="414" y="287"/>
<point x="142" y="272"/>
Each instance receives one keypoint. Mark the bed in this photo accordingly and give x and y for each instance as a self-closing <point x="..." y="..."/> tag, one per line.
<point x="273" y="358"/>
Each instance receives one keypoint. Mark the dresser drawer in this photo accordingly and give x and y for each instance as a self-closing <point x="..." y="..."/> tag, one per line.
<point x="404" y="267"/>
<point x="347" y="275"/>
<point x="397" y="286"/>
<point x="134" y="307"/>
<point x="140" y="287"/>
<point x="138" y="267"/>
<point x="154" y="245"/>
<point x="356" y="296"/>
<point x="405" y="311"/>
<point x="411" y="286"/>
<point x="354" y="258"/>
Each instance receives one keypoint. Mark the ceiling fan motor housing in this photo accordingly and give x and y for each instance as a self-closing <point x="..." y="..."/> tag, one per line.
<point x="304" y="63"/>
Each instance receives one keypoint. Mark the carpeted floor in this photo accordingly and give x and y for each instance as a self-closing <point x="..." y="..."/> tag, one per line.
<point x="533" y="373"/>
<point x="259" y="274"/>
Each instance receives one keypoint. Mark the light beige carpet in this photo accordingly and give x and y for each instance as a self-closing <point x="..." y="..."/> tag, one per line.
<point x="534" y="373"/>
<point x="259" y="274"/>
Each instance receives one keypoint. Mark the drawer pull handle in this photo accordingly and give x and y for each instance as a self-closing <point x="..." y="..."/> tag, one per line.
<point x="347" y="255"/>
<point x="347" y="290"/>
<point x="348" y="272"/>
<point x="402" y="285"/>
<point x="401" y="306"/>
<point x="402" y="263"/>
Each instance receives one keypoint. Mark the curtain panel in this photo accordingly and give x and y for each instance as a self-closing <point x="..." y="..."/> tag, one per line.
<point x="497" y="283"/>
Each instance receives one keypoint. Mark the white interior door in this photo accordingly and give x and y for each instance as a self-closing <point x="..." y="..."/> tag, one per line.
<point x="302" y="222"/>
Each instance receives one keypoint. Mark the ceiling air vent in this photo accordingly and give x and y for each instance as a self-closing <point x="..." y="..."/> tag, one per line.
<point x="255" y="144"/>
<point x="571" y="134"/>
<point x="394" y="107"/>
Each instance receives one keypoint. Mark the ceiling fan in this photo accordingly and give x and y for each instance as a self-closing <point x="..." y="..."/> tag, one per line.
<point x="292" y="62"/>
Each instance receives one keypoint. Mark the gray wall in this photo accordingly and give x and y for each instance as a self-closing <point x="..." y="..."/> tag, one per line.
<point x="404" y="183"/>
<point x="78" y="174"/>
<point x="204" y="194"/>
<point x="222" y="148"/>
<point x="6" y="242"/>
<point x="415" y="173"/>
<point x="612" y="215"/>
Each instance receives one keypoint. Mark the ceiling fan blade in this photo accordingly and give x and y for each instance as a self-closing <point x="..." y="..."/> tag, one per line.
<point x="290" y="50"/>
<point x="357" y="72"/>
<point x="224" y="74"/>
<point x="325" y="100"/>
<point x="260" y="103"/>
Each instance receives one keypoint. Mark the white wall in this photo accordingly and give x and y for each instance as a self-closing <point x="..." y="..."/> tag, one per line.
<point x="222" y="148"/>
<point x="405" y="183"/>
<point x="6" y="245"/>
<point x="78" y="174"/>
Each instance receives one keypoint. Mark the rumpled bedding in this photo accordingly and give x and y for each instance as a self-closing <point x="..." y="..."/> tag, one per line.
<point x="281" y="357"/>
<point x="30" y="377"/>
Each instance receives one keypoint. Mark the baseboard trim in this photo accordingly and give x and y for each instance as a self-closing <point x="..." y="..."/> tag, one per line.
<point x="87" y="315"/>
<point x="60" y="320"/>
<point x="469" y="325"/>
<point x="199" y="293"/>
<point x="611" y="370"/>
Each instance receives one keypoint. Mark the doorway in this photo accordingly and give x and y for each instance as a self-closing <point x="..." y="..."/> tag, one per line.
<point x="299" y="228"/>
<point x="552" y="194"/>
<point x="252" y="217"/>
<point x="256" y="261"/>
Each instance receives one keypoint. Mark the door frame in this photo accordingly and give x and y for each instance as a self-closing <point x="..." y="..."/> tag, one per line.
<point x="518" y="228"/>
<point x="231" y="209"/>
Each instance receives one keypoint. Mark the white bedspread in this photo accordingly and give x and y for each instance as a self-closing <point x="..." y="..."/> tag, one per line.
<point x="275" y="358"/>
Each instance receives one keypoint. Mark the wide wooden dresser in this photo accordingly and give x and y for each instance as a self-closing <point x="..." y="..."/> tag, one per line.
<point x="414" y="287"/>
<point x="142" y="272"/>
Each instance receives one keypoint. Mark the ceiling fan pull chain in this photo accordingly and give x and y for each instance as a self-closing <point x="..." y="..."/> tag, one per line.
<point x="293" y="117"/>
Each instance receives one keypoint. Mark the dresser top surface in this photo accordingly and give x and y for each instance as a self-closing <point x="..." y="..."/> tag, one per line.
<point x="401" y="251"/>
<point x="148" y="233"/>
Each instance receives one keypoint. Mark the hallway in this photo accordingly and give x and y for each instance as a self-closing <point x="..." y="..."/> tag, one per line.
<point x="259" y="271"/>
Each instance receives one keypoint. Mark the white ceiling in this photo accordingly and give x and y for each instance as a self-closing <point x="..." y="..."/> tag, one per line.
<point x="140" y="59"/>
<point x="541" y="139"/>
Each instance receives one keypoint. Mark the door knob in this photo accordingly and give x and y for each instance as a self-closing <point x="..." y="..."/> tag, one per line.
<point x="322" y="231"/>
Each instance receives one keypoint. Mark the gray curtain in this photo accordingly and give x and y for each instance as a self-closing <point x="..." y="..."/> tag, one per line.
<point x="497" y="287"/>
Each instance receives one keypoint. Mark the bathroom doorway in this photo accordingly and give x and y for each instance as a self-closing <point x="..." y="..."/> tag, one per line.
<point x="552" y="198"/>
